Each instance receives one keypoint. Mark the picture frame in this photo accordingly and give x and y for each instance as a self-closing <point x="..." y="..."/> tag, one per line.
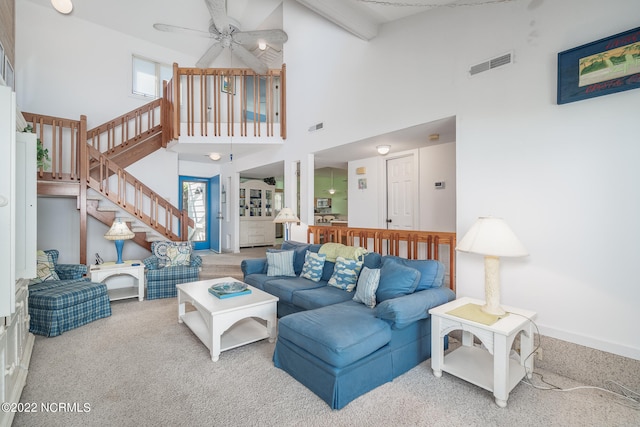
<point x="362" y="183"/>
<point x="602" y="67"/>
<point x="228" y="84"/>
<point x="9" y="77"/>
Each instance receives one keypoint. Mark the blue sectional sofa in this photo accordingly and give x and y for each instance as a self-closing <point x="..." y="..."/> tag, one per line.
<point x="340" y="348"/>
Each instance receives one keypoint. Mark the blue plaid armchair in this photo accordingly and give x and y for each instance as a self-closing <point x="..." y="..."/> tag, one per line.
<point x="170" y="264"/>
<point x="58" y="304"/>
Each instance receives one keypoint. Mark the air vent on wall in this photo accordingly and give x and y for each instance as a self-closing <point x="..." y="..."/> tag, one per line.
<point x="317" y="126"/>
<point x="496" y="62"/>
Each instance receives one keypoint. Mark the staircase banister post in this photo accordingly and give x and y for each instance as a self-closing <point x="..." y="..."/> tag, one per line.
<point x="84" y="176"/>
<point x="176" y="101"/>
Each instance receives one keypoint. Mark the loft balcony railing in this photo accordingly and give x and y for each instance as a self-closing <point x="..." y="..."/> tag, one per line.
<point x="213" y="102"/>
<point x="228" y="102"/>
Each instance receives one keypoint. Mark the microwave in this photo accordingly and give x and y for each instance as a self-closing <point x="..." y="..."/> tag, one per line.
<point x="323" y="203"/>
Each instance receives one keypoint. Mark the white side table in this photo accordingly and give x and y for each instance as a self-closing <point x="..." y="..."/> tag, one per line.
<point x="135" y="269"/>
<point x="492" y="370"/>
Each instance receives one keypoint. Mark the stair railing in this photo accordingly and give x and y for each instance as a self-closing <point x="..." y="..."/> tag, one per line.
<point x="140" y="123"/>
<point x="130" y="194"/>
<point x="65" y="140"/>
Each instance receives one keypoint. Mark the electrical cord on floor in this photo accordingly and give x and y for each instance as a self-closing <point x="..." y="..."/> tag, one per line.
<point x="629" y="397"/>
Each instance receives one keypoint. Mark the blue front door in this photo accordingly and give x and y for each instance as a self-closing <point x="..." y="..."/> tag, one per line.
<point x="201" y="199"/>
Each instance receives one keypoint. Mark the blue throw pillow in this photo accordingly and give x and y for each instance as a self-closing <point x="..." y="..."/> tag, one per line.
<point x="345" y="274"/>
<point x="300" y="249"/>
<point x="367" y="286"/>
<point x="396" y="280"/>
<point x="431" y="271"/>
<point x="280" y="263"/>
<point x="313" y="264"/>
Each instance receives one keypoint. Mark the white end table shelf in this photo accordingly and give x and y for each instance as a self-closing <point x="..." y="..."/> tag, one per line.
<point x="134" y="268"/>
<point x="490" y="368"/>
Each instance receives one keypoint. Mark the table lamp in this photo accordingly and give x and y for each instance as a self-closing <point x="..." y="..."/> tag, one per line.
<point x="119" y="232"/>
<point x="286" y="217"/>
<point x="492" y="238"/>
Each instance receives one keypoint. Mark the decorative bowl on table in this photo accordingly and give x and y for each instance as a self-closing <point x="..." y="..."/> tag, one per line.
<point x="229" y="287"/>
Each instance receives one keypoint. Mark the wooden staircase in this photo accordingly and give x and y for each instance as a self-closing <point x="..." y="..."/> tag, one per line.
<point x="90" y="166"/>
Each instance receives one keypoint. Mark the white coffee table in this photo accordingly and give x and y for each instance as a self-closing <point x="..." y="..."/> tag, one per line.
<point x="223" y="324"/>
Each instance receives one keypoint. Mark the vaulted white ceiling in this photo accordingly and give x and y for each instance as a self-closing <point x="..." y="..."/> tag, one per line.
<point x="362" y="18"/>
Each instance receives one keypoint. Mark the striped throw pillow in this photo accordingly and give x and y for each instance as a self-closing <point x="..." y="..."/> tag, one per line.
<point x="367" y="286"/>
<point x="280" y="263"/>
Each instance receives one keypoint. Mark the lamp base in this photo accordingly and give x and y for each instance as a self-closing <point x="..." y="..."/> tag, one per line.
<point x="494" y="310"/>
<point x="492" y="286"/>
<point x="119" y="245"/>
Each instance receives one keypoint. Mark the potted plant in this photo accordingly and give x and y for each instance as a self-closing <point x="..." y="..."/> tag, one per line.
<point x="43" y="153"/>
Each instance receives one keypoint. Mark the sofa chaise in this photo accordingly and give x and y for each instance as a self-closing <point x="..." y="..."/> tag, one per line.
<point x="341" y="348"/>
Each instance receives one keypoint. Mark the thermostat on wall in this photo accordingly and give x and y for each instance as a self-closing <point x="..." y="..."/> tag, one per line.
<point x="439" y="185"/>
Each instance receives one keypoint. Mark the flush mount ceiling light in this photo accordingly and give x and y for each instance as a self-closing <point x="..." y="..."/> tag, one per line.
<point x="63" y="6"/>
<point x="215" y="156"/>
<point x="262" y="45"/>
<point x="383" y="149"/>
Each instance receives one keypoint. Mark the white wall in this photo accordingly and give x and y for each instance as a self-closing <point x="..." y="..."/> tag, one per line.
<point x="564" y="177"/>
<point x="438" y="206"/>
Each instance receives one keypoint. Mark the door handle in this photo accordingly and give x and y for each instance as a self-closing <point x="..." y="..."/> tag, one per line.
<point x="388" y="220"/>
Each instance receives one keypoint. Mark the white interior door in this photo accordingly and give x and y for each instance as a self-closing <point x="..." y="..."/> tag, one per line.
<point x="400" y="193"/>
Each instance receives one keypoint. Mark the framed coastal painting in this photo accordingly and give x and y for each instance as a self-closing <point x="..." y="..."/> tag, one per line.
<point x="228" y="84"/>
<point x="599" y="68"/>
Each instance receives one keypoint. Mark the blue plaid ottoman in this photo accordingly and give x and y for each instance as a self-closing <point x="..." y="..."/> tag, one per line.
<point x="56" y="306"/>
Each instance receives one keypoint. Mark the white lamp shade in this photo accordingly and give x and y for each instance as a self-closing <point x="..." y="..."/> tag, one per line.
<point x="62" y="6"/>
<point x="119" y="231"/>
<point x="286" y="215"/>
<point x="491" y="236"/>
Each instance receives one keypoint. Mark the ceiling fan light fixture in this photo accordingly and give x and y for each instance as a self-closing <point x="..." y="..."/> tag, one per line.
<point x="383" y="149"/>
<point x="262" y="45"/>
<point x="332" y="191"/>
<point x="214" y="156"/>
<point x="63" y="6"/>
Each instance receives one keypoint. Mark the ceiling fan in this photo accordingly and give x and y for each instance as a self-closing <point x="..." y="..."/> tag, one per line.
<point x="227" y="35"/>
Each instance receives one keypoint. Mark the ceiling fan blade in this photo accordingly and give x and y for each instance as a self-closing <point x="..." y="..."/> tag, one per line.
<point x="211" y="54"/>
<point x="175" y="29"/>
<point x="251" y="61"/>
<point x="218" y="12"/>
<point x="268" y="36"/>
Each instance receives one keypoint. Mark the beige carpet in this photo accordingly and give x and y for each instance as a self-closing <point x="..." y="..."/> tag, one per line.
<point x="140" y="367"/>
<point x="216" y="265"/>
